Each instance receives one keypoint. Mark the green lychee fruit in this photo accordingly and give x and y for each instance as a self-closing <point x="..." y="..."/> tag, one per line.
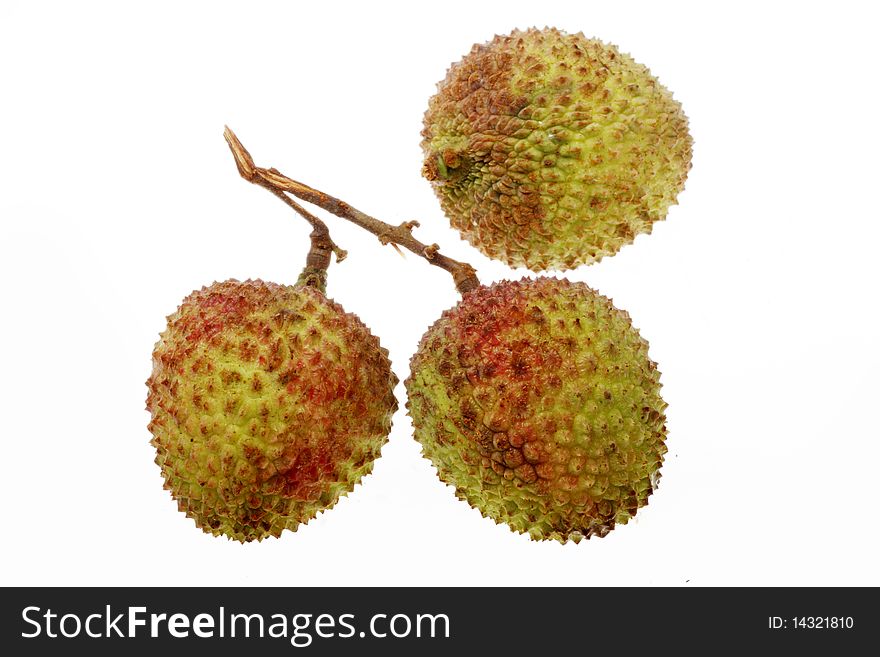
<point x="550" y="150"/>
<point x="268" y="403"/>
<point x="538" y="402"/>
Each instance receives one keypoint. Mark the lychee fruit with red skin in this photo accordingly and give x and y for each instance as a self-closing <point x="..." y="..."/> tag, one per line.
<point x="537" y="400"/>
<point x="268" y="402"/>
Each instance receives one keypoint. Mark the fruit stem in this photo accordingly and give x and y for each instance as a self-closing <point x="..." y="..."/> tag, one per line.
<point x="318" y="259"/>
<point x="463" y="274"/>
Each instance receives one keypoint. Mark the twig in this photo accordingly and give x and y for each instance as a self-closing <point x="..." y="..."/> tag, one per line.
<point x="463" y="274"/>
<point x="318" y="258"/>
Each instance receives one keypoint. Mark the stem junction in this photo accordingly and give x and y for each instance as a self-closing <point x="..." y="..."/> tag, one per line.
<point x="463" y="274"/>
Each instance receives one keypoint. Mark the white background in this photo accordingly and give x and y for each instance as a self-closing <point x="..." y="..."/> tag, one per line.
<point x="757" y="294"/>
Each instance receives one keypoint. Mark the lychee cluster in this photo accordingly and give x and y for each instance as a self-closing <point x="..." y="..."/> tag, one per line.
<point x="535" y="399"/>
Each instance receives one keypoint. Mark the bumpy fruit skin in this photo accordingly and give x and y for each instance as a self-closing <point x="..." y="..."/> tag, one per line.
<point x="268" y="403"/>
<point x="549" y="150"/>
<point x="537" y="400"/>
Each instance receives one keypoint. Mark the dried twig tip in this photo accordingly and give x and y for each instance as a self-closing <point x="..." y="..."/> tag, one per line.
<point x="243" y="159"/>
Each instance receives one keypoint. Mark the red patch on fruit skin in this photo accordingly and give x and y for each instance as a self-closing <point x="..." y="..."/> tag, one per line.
<point x="302" y="479"/>
<point x="505" y="332"/>
<point x="207" y="312"/>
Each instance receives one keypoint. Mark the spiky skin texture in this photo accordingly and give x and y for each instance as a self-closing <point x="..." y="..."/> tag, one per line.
<point x="537" y="400"/>
<point x="550" y="150"/>
<point x="268" y="403"/>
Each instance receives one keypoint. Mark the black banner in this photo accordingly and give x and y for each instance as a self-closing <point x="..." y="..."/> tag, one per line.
<point x="319" y="621"/>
